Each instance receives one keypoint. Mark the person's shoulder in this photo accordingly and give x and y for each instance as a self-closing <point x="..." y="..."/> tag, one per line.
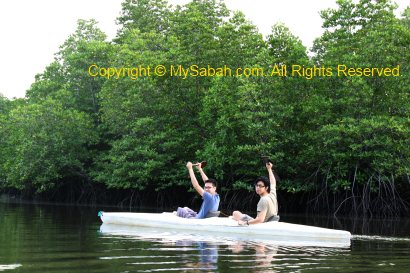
<point x="210" y="197"/>
<point x="207" y="195"/>
<point x="264" y="198"/>
<point x="263" y="203"/>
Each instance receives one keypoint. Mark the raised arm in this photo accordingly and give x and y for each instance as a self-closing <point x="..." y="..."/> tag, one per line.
<point x="272" y="179"/>
<point x="194" y="182"/>
<point x="201" y="171"/>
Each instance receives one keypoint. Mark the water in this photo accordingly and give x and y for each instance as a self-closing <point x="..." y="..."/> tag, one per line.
<point x="50" y="238"/>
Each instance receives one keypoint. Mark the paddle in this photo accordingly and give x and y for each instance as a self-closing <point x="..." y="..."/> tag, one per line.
<point x="266" y="159"/>
<point x="201" y="164"/>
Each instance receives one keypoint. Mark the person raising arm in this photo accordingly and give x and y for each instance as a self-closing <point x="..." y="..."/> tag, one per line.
<point x="194" y="181"/>
<point x="267" y="208"/>
<point x="210" y="204"/>
<point x="201" y="171"/>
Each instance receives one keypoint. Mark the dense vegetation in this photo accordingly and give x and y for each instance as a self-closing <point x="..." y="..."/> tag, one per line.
<point x="341" y="144"/>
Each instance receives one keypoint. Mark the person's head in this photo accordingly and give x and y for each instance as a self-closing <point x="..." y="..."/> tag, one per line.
<point x="210" y="186"/>
<point x="262" y="185"/>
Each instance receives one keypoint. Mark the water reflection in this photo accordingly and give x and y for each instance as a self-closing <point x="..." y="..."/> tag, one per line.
<point x="55" y="239"/>
<point x="264" y="256"/>
<point x="213" y="253"/>
<point x="208" y="255"/>
<point x="208" y="235"/>
<point x="4" y="267"/>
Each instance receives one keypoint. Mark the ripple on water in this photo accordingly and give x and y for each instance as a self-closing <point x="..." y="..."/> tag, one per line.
<point x="380" y="238"/>
<point x="4" y="267"/>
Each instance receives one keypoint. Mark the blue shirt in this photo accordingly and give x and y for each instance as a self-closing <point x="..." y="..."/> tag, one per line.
<point x="210" y="203"/>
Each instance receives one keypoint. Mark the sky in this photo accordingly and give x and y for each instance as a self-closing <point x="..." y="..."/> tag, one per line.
<point x="32" y="31"/>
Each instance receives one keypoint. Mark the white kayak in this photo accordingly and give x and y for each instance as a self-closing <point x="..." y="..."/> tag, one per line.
<point x="220" y="226"/>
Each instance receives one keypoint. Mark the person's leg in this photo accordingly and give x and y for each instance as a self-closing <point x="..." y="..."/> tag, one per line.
<point x="246" y="217"/>
<point x="181" y="212"/>
<point x="237" y="215"/>
<point x="185" y="212"/>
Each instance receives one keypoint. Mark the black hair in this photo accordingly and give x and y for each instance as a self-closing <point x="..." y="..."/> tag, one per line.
<point x="213" y="181"/>
<point x="264" y="180"/>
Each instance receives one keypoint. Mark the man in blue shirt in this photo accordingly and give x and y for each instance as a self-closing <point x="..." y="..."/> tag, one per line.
<point x="211" y="199"/>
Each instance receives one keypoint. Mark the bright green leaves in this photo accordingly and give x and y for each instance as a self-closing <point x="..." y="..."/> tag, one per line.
<point x="285" y="48"/>
<point x="145" y="15"/>
<point x="326" y="134"/>
<point x="85" y="47"/>
<point x="45" y="143"/>
<point x="365" y="116"/>
<point x="375" y="146"/>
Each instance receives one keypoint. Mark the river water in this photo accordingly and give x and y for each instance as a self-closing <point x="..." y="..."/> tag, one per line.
<point x="53" y="238"/>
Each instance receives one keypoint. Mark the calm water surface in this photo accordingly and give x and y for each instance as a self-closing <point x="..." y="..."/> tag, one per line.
<point x="51" y="238"/>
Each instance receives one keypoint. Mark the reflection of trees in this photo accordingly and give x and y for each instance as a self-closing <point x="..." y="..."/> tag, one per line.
<point x="30" y="232"/>
<point x="15" y="221"/>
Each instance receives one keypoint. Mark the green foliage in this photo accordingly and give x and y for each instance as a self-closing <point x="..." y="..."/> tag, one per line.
<point x="346" y="136"/>
<point x="69" y="72"/>
<point x="373" y="146"/>
<point x="406" y="17"/>
<point x="44" y="144"/>
<point x="145" y="15"/>
<point x="366" y="34"/>
<point x="285" y="48"/>
<point x="163" y="115"/>
<point x="4" y="104"/>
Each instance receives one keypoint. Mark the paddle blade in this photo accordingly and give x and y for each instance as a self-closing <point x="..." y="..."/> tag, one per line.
<point x="265" y="159"/>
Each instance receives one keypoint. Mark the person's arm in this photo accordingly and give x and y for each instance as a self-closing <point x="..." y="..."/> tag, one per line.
<point x="260" y="218"/>
<point x="272" y="179"/>
<point x="201" y="171"/>
<point x="194" y="182"/>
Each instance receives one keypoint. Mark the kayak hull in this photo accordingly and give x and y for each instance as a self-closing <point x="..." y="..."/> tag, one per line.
<point x="226" y="226"/>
